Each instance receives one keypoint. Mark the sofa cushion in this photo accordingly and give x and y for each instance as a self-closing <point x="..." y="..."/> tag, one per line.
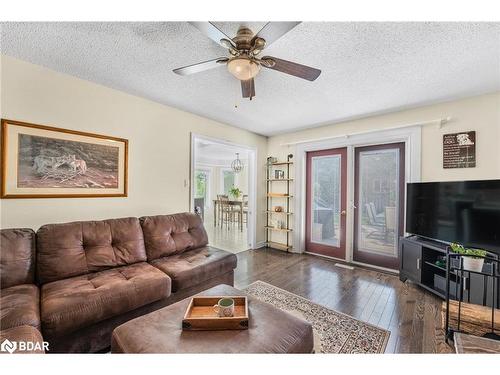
<point x="27" y="334"/>
<point x="70" y="304"/>
<point x="17" y="257"/>
<point x="78" y="248"/>
<point x="19" y="305"/>
<point x="195" y="266"/>
<point x="172" y="234"/>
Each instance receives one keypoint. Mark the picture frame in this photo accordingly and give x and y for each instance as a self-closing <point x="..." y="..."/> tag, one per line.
<point x="279" y="174"/>
<point x="40" y="161"/>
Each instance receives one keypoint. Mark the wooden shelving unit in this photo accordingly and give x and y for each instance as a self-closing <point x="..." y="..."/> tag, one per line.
<point x="278" y="245"/>
<point x="284" y="197"/>
<point x="278" y="213"/>
<point x="280" y="229"/>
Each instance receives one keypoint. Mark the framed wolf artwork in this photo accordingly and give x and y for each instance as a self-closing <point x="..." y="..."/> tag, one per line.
<point x="45" y="162"/>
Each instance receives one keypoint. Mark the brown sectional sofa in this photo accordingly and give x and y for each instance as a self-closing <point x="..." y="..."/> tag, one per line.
<point x="96" y="275"/>
<point x="27" y="334"/>
<point x="19" y="296"/>
<point x="166" y="250"/>
<point x="90" y="272"/>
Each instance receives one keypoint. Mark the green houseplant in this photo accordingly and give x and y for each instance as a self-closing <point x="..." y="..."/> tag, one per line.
<point x="474" y="260"/>
<point x="235" y="192"/>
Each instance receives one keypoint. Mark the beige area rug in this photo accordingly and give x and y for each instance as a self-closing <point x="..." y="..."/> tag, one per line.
<point x="334" y="332"/>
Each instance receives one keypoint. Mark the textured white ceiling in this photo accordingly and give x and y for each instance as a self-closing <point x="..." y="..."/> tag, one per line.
<point x="366" y="68"/>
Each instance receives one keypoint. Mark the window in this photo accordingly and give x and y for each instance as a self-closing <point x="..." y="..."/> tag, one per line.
<point x="202" y="181"/>
<point x="228" y="180"/>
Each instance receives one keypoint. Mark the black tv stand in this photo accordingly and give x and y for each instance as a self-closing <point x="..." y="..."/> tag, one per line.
<point x="417" y="262"/>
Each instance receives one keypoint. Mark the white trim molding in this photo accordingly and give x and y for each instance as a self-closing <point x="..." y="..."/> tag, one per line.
<point x="440" y="122"/>
<point x="410" y="135"/>
<point x="260" y="245"/>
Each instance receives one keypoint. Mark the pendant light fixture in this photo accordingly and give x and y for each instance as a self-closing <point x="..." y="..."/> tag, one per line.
<point x="237" y="165"/>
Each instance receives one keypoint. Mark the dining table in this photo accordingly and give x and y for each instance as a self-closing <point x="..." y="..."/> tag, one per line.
<point x="236" y="203"/>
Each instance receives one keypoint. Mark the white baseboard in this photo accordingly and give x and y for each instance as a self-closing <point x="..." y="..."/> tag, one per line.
<point x="260" y="244"/>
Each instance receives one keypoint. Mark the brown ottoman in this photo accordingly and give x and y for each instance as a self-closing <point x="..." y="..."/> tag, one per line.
<point x="270" y="331"/>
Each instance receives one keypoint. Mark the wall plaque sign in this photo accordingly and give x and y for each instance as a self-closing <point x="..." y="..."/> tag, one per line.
<point x="459" y="150"/>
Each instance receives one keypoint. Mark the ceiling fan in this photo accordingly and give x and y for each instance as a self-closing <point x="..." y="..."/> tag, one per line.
<point x="244" y="49"/>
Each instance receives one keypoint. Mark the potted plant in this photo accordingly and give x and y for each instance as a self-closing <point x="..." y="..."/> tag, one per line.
<point x="474" y="260"/>
<point x="235" y="192"/>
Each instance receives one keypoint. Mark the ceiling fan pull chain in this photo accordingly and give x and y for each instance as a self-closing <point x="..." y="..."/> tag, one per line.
<point x="237" y="96"/>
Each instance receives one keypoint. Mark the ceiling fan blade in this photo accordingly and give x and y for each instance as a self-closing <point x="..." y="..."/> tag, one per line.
<point x="200" y="67"/>
<point x="272" y="31"/>
<point x="210" y="30"/>
<point x="294" y="69"/>
<point x="248" y="88"/>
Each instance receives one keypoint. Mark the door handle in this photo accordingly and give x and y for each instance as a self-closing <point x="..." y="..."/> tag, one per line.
<point x="418" y="263"/>
<point x="343" y="212"/>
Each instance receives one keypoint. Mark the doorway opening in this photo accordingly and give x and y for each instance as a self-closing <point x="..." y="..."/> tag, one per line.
<point x="223" y="192"/>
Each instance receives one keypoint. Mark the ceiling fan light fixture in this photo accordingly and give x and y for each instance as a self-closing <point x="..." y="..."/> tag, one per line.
<point x="243" y="68"/>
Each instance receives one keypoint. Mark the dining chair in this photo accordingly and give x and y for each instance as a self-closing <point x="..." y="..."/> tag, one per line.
<point x="226" y="211"/>
<point x="245" y="208"/>
<point x="238" y="210"/>
<point x="220" y="203"/>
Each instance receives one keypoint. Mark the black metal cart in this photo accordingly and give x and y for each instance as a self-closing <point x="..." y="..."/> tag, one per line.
<point x="459" y="287"/>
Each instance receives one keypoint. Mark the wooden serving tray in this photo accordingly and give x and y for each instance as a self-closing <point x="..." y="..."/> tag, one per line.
<point x="200" y="314"/>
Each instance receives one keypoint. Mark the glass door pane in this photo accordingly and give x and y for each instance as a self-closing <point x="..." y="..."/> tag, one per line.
<point x="325" y="200"/>
<point x="378" y="201"/>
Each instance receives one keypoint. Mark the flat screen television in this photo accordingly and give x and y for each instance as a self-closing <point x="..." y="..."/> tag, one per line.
<point x="467" y="212"/>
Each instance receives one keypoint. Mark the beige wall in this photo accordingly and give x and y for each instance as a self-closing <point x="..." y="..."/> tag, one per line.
<point x="480" y="113"/>
<point x="159" y="144"/>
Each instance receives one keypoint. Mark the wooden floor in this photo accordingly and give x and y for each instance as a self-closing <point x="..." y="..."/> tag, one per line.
<point x="410" y="313"/>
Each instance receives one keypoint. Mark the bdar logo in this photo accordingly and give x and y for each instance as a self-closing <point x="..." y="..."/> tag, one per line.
<point x="8" y="346"/>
